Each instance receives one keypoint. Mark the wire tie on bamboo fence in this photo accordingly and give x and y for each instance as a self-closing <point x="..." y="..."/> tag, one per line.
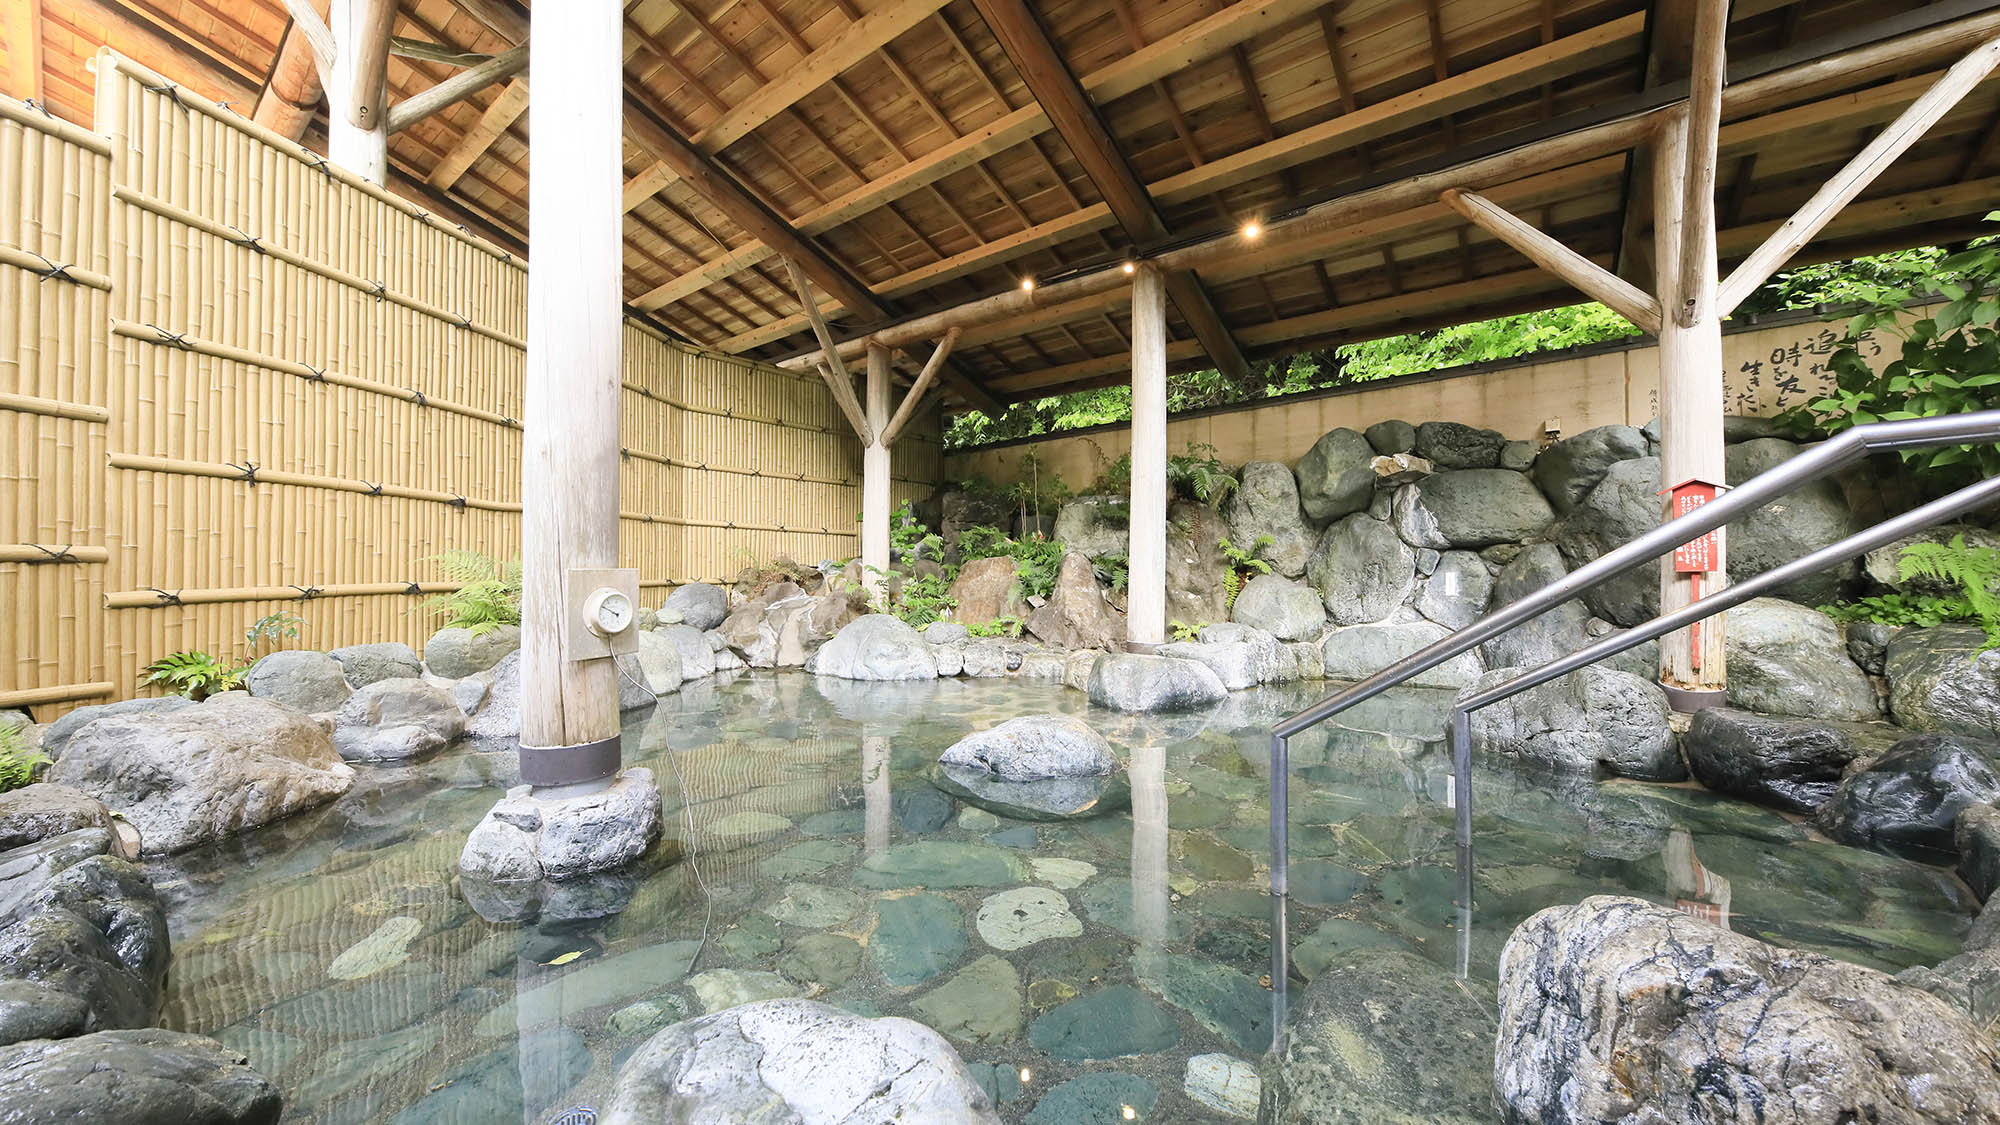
<point x="414" y="589"/>
<point x="54" y="272"/>
<point x="247" y="468"/>
<point x="423" y="217"/>
<point x="171" y="339"/>
<point x="166" y="598"/>
<point x="417" y="397"/>
<point x="62" y="555"/>
<point x="318" y="164"/>
<point x="307" y="593"/>
<point x="464" y="321"/>
<point x="313" y="374"/>
<point x="373" y="489"/>
<point x="39" y="107"/>
<point x="456" y="501"/>
<point x="509" y="422"/>
<point x="248" y="241"/>
<point x="381" y="291"/>
<point x="172" y="92"/>
<point x="624" y="454"/>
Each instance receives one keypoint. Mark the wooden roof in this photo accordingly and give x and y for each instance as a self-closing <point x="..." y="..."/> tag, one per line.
<point x="930" y="152"/>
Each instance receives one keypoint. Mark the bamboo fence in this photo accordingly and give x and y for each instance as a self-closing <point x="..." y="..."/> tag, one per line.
<point x="235" y="380"/>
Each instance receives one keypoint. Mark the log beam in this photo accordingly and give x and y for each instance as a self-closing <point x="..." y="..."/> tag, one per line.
<point x="921" y="386"/>
<point x="457" y="88"/>
<point x="833" y="371"/>
<point x="1617" y="294"/>
<point x="491" y="126"/>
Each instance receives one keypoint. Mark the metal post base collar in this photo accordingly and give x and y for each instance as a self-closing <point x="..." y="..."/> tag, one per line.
<point x="543" y="766"/>
<point x="1689" y="700"/>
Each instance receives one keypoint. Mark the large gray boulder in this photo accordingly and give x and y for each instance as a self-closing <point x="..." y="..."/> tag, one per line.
<point x="1788" y="763"/>
<point x="700" y="604"/>
<point x="1593" y="719"/>
<point x="1261" y="656"/>
<point x="658" y="663"/>
<point x="1567" y="470"/>
<point x="1197" y="591"/>
<point x="1381" y="1035"/>
<point x="497" y="719"/>
<point x="1335" y="477"/>
<point x="1266" y="503"/>
<point x="697" y="655"/>
<point x="1362" y="570"/>
<point x="1911" y="796"/>
<point x="1034" y="748"/>
<point x="528" y="838"/>
<point x="1095" y="525"/>
<point x="1813" y="516"/>
<point x="1785" y="659"/>
<point x="1280" y="607"/>
<point x="1454" y="445"/>
<point x="36" y="812"/>
<point x="1619" y="1010"/>
<point x="987" y="590"/>
<point x="1359" y="651"/>
<point x="1391" y="437"/>
<point x="456" y="653"/>
<point x="310" y="681"/>
<point x="190" y="776"/>
<point x="1076" y="615"/>
<point x="1940" y="680"/>
<point x="1556" y="633"/>
<point x="57" y="734"/>
<point x="1134" y="682"/>
<point x="1625" y="505"/>
<point x="959" y="510"/>
<point x="83" y="940"/>
<point x="1471" y="508"/>
<point x="1456" y="591"/>
<point x="1238" y="664"/>
<point x="366" y="664"/>
<point x="394" y="720"/>
<point x="796" y="1061"/>
<point x="785" y="633"/>
<point x="875" y="647"/>
<point x="140" y="1075"/>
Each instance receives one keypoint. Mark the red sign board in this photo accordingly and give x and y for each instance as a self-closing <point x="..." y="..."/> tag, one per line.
<point x="1698" y="555"/>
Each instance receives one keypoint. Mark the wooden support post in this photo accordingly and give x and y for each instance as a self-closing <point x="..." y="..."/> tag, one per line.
<point x="1146" y="555"/>
<point x="1691" y="408"/>
<point x="875" y="477"/>
<point x="357" y="110"/>
<point x="833" y="371"/>
<point x="569" y="486"/>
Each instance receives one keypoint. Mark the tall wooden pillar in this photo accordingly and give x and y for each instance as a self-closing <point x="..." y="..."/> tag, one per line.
<point x="1691" y="396"/>
<point x="569" y="487"/>
<point x="357" y="131"/>
<point x="875" y="474"/>
<point x="1146" y="588"/>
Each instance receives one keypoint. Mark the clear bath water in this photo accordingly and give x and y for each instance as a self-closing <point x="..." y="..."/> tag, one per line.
<point x="335" y="951"/>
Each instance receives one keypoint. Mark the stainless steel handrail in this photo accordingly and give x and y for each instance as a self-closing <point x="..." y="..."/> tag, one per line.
<point x="1982" y="426"/>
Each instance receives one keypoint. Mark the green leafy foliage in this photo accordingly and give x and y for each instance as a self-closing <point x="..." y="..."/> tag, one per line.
<point x="982" y="542"/>
<point x="20" y="764"/>
<point x="1197" y="475"/>
<point x="489" y="593"/>
<point x="1115" y="480"/>
<point x="1115" y="569"/>
<point x="1040" y="488"/>
<point x="194" y="674"/>
<point x="910" y="538"/>
<point x="1974" y="570"/>
<point x="925" y="598"/>
<point x="1239" y="564"/>
<point x="1006" y="625"/>
<point x="1182" y="631"/>
<point x="1949" y="363"/>
<point x="1036" y="561"/>
<point x="272" y="629"/>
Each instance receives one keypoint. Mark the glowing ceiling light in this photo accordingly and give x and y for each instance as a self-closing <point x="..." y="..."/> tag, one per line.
<point x="1251" y="229"/>
<point x="1130" y="268"/>
<point x="1027" y="285"/>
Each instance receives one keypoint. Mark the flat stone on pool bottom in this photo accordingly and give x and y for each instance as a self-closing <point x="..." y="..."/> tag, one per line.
<point x="916" y="937"/>
<point x="1119" y="1020"/>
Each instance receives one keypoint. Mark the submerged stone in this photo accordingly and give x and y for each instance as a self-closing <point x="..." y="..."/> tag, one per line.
<point x="916" y="937"/>
<point x="1061" y="798"/>
<point x="938" y="863"/>
<point x="821" y="960"/>
<point x="1108" y="1098"/>
<point x="982" y="1004"/>
<point x="1223" y="1084"/>
<point x="814" y="907"/>
<point x="1021" y="917"/>
<point x="1220" y="999"/>
<point x="1119" y="1020"/>
<point x="726" y="988"/>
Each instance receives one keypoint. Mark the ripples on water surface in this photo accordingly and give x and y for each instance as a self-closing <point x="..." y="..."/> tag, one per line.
<point x="334" y="950"/>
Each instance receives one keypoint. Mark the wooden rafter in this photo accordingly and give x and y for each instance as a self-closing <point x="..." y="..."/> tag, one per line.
<point x="22" y="24"/>
<point x="1076" y="119"/>
<point x="1621" y="296"/>
<point x="493" y="123"/>
<point x="457" y="88"/>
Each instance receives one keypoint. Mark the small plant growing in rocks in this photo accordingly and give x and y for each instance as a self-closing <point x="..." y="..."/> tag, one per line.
<point x="195" y="674"/>
<point x="488" y="594"/>
<point x="20" y="764"/>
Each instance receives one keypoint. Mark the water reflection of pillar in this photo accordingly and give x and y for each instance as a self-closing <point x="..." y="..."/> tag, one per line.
<point x="1149" y="842"/>
<point x="875" y="791"/>
<point x="1695" y="890"/>
<point x="544" y="1065"/>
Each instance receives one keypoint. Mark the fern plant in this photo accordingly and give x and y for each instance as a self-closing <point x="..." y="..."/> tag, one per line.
<point x="194" y="674"/>
<point x="925" y="599"/>
<point x="1006" y="625"/>
<point x="1036" y="561"/>
<point x="909" y="538"/>
<point x="1115" y="569"/>
<point x="1239" y="564"/>
<point x="982" y="542"/>
<point x="1197" y="475"/>
<point x="1975" y="571"/>
<point x="1182" y="631"/>
<point x="488" y="595"/>
<point x="20" y="763"/>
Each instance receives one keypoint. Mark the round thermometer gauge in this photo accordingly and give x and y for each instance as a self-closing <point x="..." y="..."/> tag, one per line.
<point x="608" y="612"/>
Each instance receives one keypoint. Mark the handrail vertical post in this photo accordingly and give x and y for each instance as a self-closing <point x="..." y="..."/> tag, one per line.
<point x="1280" y="883"/>
<point x="1461" y="802"/>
